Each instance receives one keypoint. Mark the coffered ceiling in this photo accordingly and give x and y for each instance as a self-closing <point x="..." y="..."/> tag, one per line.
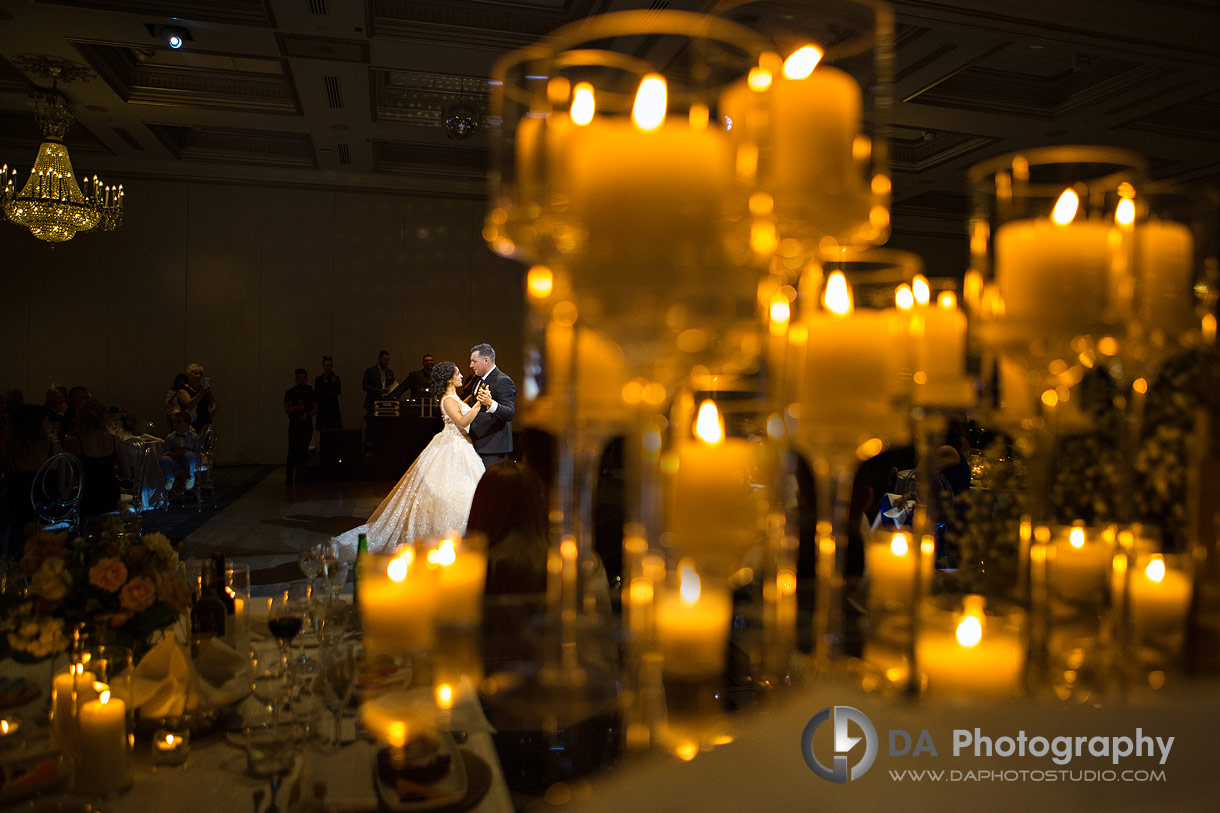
<point x="353" y="93"/>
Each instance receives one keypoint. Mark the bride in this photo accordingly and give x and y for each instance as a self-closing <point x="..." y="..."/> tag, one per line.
<point x="434" y="495"/>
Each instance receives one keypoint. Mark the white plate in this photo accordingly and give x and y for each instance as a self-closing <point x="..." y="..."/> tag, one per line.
<point x="450" y="788"/>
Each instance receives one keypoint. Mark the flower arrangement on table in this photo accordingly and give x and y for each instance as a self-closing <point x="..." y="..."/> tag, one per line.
<point x="127" y="588"/>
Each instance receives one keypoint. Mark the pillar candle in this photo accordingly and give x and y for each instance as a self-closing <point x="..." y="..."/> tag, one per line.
<point x="1160" y="597"/>
<point x="1079" y="571"/>
<point x="716" y="511"/>
<point x="938" y="335"/>
<point x="1056" y="278"/>
<point x="890" y="564"/>
<point x="63" y="717"/>
<point x="397" y="605"/>
<point x="1165" y="257"/>
<point x="817" y="181"/>
<point x="693" y="631"/>
<point x="991" y="667"/>
<point x="459" y="586"/>
<point x="102" y="745"/>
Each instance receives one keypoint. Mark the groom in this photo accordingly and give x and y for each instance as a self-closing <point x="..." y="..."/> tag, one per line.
<point x="492" y="429"/>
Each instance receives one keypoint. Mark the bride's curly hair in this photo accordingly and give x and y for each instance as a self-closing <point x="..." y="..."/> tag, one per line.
<point x="442" y="373"/>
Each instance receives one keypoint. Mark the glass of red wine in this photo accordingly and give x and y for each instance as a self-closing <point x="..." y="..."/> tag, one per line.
<point x="289" y="609"/>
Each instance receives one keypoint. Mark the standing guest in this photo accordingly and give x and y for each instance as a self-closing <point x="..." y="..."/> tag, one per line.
<point x="180" y="454"/>
<point x="54" y="407"/>
<point x="492" y="430"/>
<point x="300" y="407"/>
<point x="28" y="446"/>
<point x="101" y="456"/>
<point x="326" y="389"/>
<point x="196" y="398"/>
<point x="419" y="382"/>
<point x="171" y="397"/>
<point x="378" y="381"/>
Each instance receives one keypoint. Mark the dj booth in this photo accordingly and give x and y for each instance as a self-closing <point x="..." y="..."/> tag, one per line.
<point x="396" y="432"/>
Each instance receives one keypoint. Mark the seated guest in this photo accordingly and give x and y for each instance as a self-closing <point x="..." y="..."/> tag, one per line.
<point x="27" y="448"/>
<point x="101" y="456"/>
<point x="128" y="426"/>
<point x="54" y="407"/>
<point x="171" y="397"/>
<point x="180" y="454"/>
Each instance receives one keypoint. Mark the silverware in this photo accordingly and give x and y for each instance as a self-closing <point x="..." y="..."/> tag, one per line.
<point x="259" y="793"/>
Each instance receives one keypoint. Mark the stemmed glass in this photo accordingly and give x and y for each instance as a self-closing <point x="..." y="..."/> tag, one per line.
<point x="338" y="680"/>
<point x="313" y="559"/>
<point x="269" y="682"/>
<point x="289" y="608"/>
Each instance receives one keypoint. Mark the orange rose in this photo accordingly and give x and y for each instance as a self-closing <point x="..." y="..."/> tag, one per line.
<point x="138" y="595"/>
<point x="108" y="574"/>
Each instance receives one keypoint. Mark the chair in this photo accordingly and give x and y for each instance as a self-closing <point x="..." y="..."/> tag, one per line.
<point x="55" y="492"/>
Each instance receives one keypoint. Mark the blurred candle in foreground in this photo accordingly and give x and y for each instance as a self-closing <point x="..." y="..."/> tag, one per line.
<point x="968" y="653"/>
<point x="692" y="626"/>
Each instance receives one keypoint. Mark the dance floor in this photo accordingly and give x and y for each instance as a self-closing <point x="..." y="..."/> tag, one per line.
<point x="268" y="525"/>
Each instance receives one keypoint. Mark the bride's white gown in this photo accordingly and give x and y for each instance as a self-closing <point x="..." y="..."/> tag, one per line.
<point x="431" y="498"/>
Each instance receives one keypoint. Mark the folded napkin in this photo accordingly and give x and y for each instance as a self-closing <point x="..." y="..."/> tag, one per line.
<point x="167" y="684"/>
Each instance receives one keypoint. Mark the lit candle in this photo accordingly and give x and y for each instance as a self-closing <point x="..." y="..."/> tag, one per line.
<point x="600" y="371"/>
<point x="853" y="364"/>
<point x="938" y="334"/>
<point x="716" y="511"/>
<point x="170" y="748"/>
<point x="1080" y="565"/>
<point x="397" y="604"/>
<point x="63" y="718"/>
<point x="890" y="567"/>
<point x="816" y="112"/>
<point x="649" y="195"/>
<point x="10" y="731"/>
<point x="1056" y="273"/>
<point x="692" y="627"/>
<point x="1165" y="256"/>
<point x="102" y="744"/>
<point x="1160" y="597"/>
<point x="975" y="657"/>
<point x="460" y="571"/>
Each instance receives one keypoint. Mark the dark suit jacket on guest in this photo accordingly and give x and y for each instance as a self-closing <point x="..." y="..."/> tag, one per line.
<point x="372" y="385"/>
<point x="492" y="432"/>
<point x="417" y="383"/>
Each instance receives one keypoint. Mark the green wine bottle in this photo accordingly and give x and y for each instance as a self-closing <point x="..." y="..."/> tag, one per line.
<point x="362" y="549"/>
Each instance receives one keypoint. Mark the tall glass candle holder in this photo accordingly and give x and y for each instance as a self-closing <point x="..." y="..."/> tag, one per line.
<point x="853" y="397"/>
<point x="822" y="120"/>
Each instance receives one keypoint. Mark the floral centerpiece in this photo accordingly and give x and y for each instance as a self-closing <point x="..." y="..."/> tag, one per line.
<point x="126" y="588"/>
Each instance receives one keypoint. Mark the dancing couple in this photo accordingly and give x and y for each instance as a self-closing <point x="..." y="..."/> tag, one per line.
<point x="435" y="493"/>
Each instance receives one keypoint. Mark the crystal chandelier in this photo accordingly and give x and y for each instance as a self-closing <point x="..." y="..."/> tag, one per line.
<point x="52" y="205"/>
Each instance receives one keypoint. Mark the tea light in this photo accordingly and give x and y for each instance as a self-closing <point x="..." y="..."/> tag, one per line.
<point x="10" y="732"/>
<point x="102" y="744"/>
<point x="397" y="604"/>
<point x="716" y="511"/>
<point x="170" y="748"/>
<point x="1160" y="596"/>
<point x="692" y="627"/>
<point x="975" y="657"/>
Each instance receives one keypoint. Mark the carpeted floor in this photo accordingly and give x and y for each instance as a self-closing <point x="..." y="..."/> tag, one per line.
<point x="180" y="521"/>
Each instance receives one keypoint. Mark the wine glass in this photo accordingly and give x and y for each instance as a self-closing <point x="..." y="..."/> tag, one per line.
<point x="268" y="682"/>
<point x="287" y="615"/>
<point x="313" y="559"/>
<point x="337" y="681"/>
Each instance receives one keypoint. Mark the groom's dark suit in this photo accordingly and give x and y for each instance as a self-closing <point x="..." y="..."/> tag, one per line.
<point x="492" y="432"/>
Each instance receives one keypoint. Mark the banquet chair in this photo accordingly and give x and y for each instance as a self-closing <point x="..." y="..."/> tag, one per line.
<point x="207" y="461"/>
<point x="55" y="492"/>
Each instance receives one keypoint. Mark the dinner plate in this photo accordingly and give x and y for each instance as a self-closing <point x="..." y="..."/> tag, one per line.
<point x="445" y="793"/>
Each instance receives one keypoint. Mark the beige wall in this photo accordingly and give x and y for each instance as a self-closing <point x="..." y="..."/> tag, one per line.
<point x="252" y="282"/>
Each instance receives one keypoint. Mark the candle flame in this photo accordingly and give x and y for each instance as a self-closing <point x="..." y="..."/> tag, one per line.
<point x="708" y="426"/>
<point x="399" y="565"/>
<point x="4" y="726"/>
<point x="1124" y="215"/>
<point x="689" y="587"/>
<point x="650" y="103"/>
<point x="444" y="696"/>
<point x="443" y="555"/>
<point x="898" y="545"/>
<point x="781" y="311"/>
<point x="169" y="739"/>
<point x="928" y="545"/>
<point x="540" y="282"/>
<point x="802" y="62"/>
<point x="837" y="297"/>
<point x="396" y="733"/>
<point x="103" y="694"/>
<point x="583" y="104"/>
<point x="1140" y="385"/>
<point x="1076" y="537"/>
<point x="759" y="79"/>
<point x="921" y="289"/>
<point x="1066" y="207"/>
<point x="947" y="300"/>
<point x="969" y="631"/>
<point x="1156" y="569"/>
<point x="904" y="297"/>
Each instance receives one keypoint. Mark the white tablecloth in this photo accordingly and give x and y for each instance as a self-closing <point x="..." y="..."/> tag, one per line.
<point x="153" y="481"/>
